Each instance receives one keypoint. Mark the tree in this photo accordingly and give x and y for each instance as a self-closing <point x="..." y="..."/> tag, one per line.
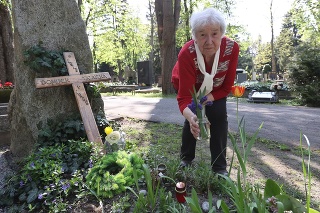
<point x="263" y="56"/>
<point x="286" y="43"/>
<point x="305" y="74"/>
<point x="184" y="32"/>
<point x="118" y="38"/>
<point x="245" y="59"/>
<point x="6" y="43"/>
<point x="307" y="18"/>
<point x="273" y="59"/>
<point x="167" y="13"/>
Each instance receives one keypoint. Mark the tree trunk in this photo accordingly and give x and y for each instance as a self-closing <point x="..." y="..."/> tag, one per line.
<point x="151" y="54"/>
<point x="273" y="59"/>
<point x="167" y="12"/>
<point x="6" y="45"/>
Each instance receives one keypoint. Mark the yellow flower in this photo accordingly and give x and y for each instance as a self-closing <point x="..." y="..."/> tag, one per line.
<point x="113" y="137"/>
<point x="238" y="91"/>
<point x="108" y="130"/>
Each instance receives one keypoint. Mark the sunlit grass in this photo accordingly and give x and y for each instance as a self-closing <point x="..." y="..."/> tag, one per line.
<point x="160" y="143"/>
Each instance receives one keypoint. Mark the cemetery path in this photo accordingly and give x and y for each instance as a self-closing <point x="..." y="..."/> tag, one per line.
<point x="280" y="123"/>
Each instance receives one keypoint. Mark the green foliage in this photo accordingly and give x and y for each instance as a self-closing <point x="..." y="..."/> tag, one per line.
<point x="263" y="86"/>
<point x="40" y="59"/>
<point x="54" y="171"/>
<point x="113" y="172"/>
<point x="48" y="178"/>
<point x="120" y="39"/>
<point x="240" y="192"/>
<point x="60" y="132"/>
<point x="156" y="199"/>
<point x="286" y="42"/>
<point x="305" y="74"/>
<point x="194" y="204"/>
<point x="6" y="3"/>
<point x="70" y="128"/>
<point x="247" y="198"/>
<point x="263" y="57"/>
<point x="266" y="68"/>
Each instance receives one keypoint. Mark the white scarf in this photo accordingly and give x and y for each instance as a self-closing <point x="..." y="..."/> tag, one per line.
<point x="208" y="78"/>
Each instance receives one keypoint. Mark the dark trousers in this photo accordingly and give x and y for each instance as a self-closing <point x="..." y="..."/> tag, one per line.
<point x="217" y="116"/>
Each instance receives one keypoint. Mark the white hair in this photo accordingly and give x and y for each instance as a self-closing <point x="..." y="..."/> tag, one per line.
<point x="205" y="17"/>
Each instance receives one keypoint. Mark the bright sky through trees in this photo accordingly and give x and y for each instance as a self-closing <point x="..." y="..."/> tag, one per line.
<point x="254" y="15"/>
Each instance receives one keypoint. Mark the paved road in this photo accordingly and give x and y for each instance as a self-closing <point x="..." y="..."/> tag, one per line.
<point x="280" y="123"/>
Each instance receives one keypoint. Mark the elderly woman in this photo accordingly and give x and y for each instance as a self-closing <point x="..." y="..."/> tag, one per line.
<point x="208" y="61"/>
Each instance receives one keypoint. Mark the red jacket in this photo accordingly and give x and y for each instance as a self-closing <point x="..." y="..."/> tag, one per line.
<point x="186" y="73"/>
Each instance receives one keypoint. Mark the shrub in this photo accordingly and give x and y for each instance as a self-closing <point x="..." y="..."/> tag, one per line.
<point x="113" y="172"/>
<point x="305" y="74"/>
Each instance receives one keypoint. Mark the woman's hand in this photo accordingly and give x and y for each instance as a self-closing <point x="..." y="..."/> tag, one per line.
<point x="193" y="122"/>
<point x="209" y="98"/>
<point x="194" y="127"/>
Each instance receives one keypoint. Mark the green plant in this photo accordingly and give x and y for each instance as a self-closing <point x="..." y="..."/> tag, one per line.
<point x="266" y="69"/>
<point x="202" y="177"/>
<point x="38" y="59"/>
<point x="247" y="198"/>
<point x="305" y="75"/>
<point x="156" y="198"/>
<point x="306" y="171"/>
<point x="197" y="106"/>
<point x="113" y="172"/>
<point x="71" y="128"/>
<point x="60" y="132"/>
<point x="48" y="177"/>
<point x="194" y="204"/>
<point x="122" y="205"/>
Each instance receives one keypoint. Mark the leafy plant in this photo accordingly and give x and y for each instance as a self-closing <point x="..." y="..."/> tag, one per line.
<point x="48" y="177"/>
<point x="247" y="198"/>
<point x="38" y="59"/>
<point x="113" y="172"/>
<point x="194" y="204"/>
<point x="156" y="198"/>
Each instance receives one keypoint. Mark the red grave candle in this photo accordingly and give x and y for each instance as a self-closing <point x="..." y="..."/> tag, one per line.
<point x="181" y="192"/>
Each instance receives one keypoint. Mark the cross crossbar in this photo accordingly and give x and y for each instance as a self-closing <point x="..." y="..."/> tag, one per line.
<point x="77" y="80"/>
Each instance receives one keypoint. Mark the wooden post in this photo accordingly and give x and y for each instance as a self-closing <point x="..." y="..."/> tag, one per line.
<point x="77" y="80"/>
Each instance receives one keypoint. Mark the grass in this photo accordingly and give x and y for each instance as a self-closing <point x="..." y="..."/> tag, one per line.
<point x="160" y="143"/>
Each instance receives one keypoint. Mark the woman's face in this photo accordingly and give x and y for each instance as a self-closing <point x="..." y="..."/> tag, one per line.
<point x="208" y="39"/>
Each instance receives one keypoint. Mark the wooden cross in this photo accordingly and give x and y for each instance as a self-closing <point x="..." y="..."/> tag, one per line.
<point x="77" y="80"/>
